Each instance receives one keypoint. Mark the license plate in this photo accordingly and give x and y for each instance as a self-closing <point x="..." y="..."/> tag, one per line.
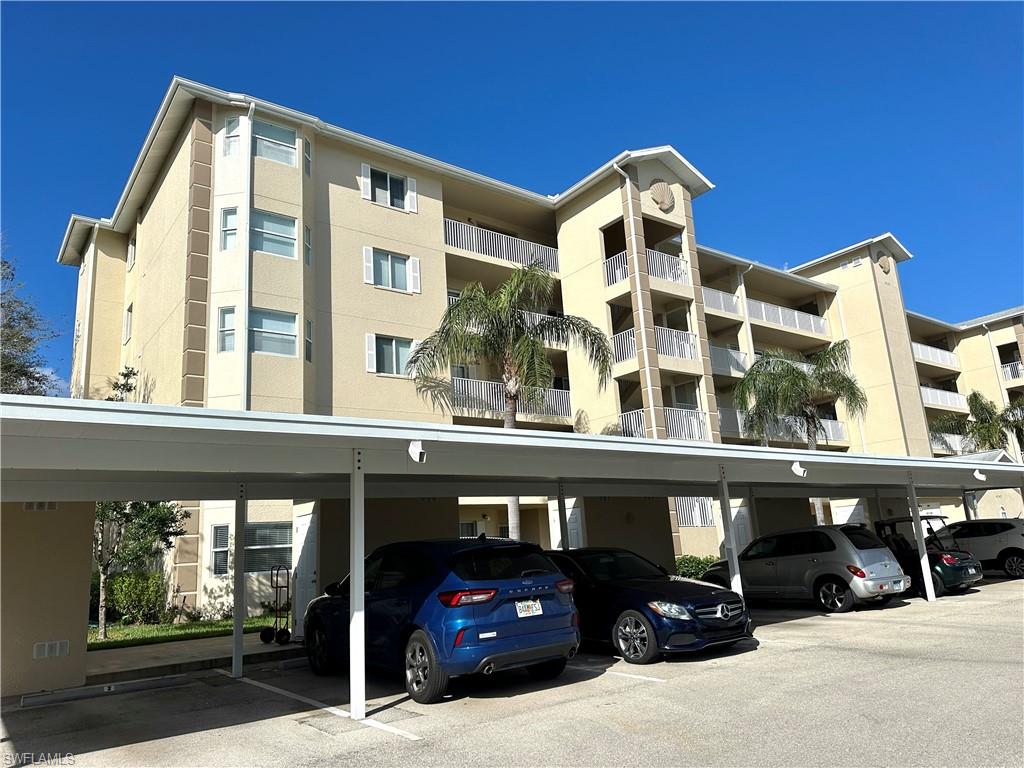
<point x="526" y="608"/>
<point x="897" y="586"/>
<point x="971" y="571"/>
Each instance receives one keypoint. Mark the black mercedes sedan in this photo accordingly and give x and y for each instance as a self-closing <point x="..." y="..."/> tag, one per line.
<point x="627" y="600"/>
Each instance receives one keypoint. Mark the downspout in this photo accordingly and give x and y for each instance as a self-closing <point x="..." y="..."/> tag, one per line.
<point x="247" y="271"/>
<point x="639" y="295"/>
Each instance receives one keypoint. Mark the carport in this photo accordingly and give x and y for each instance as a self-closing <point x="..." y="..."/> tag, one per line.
<point x="64" y="450"/>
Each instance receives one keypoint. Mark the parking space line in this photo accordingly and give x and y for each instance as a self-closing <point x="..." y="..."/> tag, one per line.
<point x="620" y="674"/>
<point x="336" y="711"/>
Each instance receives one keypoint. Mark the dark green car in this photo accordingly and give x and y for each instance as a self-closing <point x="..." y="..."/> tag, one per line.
<point x="951" y="569"/>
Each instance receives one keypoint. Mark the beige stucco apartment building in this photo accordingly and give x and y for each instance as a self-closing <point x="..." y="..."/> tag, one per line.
<point x="262" y="259"/>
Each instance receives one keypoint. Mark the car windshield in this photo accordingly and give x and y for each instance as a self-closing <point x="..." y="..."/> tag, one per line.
<point x="513" y="561"/>
<point x="862" y="538"/>
<point x="616" y="566"/>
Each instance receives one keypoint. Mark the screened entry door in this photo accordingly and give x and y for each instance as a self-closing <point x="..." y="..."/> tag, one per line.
<point x="304" y="534"/>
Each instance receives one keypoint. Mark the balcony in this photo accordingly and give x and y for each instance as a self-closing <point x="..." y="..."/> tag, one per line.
<point x="489" y="397"/>
<point x="1013" y="371"/>
<point x="941" y="398"/>
<point x="631" y="424"/>
<point x="924" y="353"/>
<point x="616" y="269"/>
<point x="680" y="424"/>
<point x="624" y="346"/>
<point x="949" y="443"/>
<point x="731" y="422"/>
<point x="728" y="362"/>
<point x="720" y="300"/>
<point x="673" y="343"/>
<point x="785" y="317"/>
<point x="660" y="265"/>
<point x="468" y="237"/>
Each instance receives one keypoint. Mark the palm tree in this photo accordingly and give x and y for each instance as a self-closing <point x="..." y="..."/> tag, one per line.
<point x="781" y="392"/>
<point x="494" y="328"/>
<point x="986" y="428"/>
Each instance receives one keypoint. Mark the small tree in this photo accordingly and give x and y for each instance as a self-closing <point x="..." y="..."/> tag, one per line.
<point x="986" y="428"/>
<point x="123" y="385"/>
<point x="23" y="332"/>
<point x="128" y="534"/>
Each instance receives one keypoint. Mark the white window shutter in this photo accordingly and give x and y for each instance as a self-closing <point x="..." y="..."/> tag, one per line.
<point x="371" y="353"/>
<point x="368" y="265"/>
<point x="414" y="275"/>
<point x="410" y="194"/>
<point x="364" y="181"/>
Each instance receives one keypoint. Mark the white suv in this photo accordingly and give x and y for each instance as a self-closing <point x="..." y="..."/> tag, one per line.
<point x="996" y="542"/>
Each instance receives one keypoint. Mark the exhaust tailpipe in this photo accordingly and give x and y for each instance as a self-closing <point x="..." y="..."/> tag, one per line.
<point x="572" y="652"/>
<point x="488" y="669"/>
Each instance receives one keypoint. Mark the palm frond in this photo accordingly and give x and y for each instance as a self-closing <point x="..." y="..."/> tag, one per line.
<point x="570" y="330"/>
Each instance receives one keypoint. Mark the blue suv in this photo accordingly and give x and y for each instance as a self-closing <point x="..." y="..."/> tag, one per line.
<point x="440" y="609"/>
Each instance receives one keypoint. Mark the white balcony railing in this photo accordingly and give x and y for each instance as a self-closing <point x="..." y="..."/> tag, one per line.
<point x="481" y="395"/>
<point x="458" y="234"/>
<point x="666" y="267"/>
<point x="949" y="443"/>
<point x="686" y="424"/>
<point x="1012" y="371"/>
<point x="731" y="422"/>
<point x="929" y="354"/>
<point x="675" y="343"/>
<point x="616" y="269"/>
<point x="786" y="317"/>
<point x="730" y="362"/>
<point x="943" y="398"/>
<point x="720" y="300"/>
<point x="624" y="345"/>
<point x="695" y="511"/>
<point x="631" y="423"/>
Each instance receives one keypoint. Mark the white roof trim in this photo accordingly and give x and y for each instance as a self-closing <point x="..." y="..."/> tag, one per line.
<point x="902" y="254"/>
<point x="739" y="260"/>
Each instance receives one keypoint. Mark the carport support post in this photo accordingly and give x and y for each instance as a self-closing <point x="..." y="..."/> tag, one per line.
<point x="922" y="550"/>
<point x="356" y="590"/>
<point x="563" y="522"/>
<point x="730" y="539"/>
<point x="238" y="580"/>
<point x="968" y="512"/>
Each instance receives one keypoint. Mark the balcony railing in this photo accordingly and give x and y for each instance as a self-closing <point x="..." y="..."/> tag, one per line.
<point x="929" y="354"/>
<point x="686" y="424"/>
<point x="720" y="300"/>
<point x="731" y="422"/>
<point x="458" y="234"/>
<point x="949" y="443"/>
<point x="943" y="398"/>
<point x="1014" y="370"/>
<point x="624" y="345"/>
<point x="616" y="269"/>
<point x="675" y="343"/>
<point x="666" y="267"/>
<point x="731" y="362"/>
<point x="695" y="511"/>
<point x="631" y="424"/>
<point x="481" y="395"/>
<point x="786" y="317"/>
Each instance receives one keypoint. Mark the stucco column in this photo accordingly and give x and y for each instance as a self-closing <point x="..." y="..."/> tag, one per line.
<point x="706" y="384"/>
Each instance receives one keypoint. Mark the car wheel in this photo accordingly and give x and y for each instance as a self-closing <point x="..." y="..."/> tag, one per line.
<point x="425" y="680"/>
<point x="1012" y="564"/>
<point x="547" y="670"/>
<point x="633" y="637"/>
<point x="834" y="596"/>
<point x="938" y="586"/>
<point x="318" y="651"/>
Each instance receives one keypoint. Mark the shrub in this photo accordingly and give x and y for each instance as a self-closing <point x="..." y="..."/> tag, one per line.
<point x="140" y="597"/>
<point x="694" y="566"/>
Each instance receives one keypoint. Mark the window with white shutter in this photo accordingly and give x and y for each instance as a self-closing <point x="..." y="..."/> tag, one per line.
<point x="371" y="353"/>
<point x="219" y="549"/>
<point x="389" y="189"/>
<point x="414" y="275"/>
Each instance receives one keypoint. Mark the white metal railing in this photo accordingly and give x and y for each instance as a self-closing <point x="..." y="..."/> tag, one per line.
<point x="931" y="354"/>
<point x="469" y="237"/>
<point x="673" y="343"/>
<point x="631" y="423"/>
<point x="1014" y="370"/>
<point x="695" y="512"/>
<point x="949" y="443"/>
<point x="728" y="361"/>
<point x="481" y="395"/>
<point x="624" y="345"/>
<point x="531" y="317"/>
<point x="731" y="422"/>
<point x="803" y="366"/>
<point x="721" y="300"/>
<point x="616" y="269"/>
<point x="786" y="317"/>
<point x="686" y="424"/>
<point x="666" y="267"/>
<point x="942" y="397"/>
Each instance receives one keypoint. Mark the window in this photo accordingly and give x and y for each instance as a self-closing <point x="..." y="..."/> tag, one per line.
<point x="616" y="565"/>
<point x="219" y="549"/>
<point x="504" y="561"/>
<point x="273" y="142"/>
<point x="862" y="538"/>
<point x="460" y="371"/>
<point x="308" y="339"/>
<point x="467" y="530"/>
<point x="126" y="331"/>
<point x="388" y="189"/>
<point x="502" y="531"/>
<point x="228" y="228"/>
<point x="307" y="246"/>
<point x="695" y="512"/>
<point x="226" y="329"/>
<point x="267" y="545"/>
<point x="385" y="354"/>
<point x="232" y="135"/>
<point x="390" y="270"/>
<point x="272" y="332"/>
<point x="273" y="234"/>
<point x="307" y="157"/>
<point x="131" y="254"/>
<point x="761" y="548"/>
<point x="807" y="543"/>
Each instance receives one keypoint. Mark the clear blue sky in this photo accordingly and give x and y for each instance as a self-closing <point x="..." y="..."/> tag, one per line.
<point x="819" y="124"/>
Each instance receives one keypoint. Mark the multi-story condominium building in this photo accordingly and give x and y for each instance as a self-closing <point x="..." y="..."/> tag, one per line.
<point x="262" y="259"/>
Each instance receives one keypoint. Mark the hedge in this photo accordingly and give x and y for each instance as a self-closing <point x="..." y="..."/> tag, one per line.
<point x="693" y="566"/>
<point x="140" y="597"/>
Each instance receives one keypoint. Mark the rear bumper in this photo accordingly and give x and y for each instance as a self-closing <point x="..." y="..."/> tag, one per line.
<point x="677" y="635"/>
<point x="513" y="653"/>
<point x="890" y="585"/>
<point x="960" y="575"/>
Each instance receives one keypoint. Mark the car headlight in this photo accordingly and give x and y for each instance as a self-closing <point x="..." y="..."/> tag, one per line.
<point x="670" y="610"/>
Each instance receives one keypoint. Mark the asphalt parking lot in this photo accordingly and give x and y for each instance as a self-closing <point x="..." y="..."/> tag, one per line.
<point x="909" y="684"/>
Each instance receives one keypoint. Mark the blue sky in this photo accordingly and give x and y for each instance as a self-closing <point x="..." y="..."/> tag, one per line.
<point x="819" y="124"/>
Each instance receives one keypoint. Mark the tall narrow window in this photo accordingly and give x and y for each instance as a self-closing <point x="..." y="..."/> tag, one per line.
<point x="307" y="157"/>
<point x="131" y="254"/>
<point x="219" y="549"/>
<point x="226" y="329"/>
<point x="273" y="142"/>
<point x="232" y="135"/>
<point x="274" y="234"/>
<point x="392" y="354"/>
<point x="272" y="332"/>
<point x="228" y="228"/>
<point x="309" y="341"/>
<point x="126" y="331"/>
<point x="307" y="246"/>
<point x="387" y="188"/>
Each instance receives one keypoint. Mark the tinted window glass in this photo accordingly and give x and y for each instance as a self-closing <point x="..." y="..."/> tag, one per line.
<point x="762" y="548"/>
<point x="612" y="566"/>
<point x="496" y="563"/>
<point x="399" y="568"/>
<point x="1002" y="527"/>
<point x="566" y="566"/>
<point x="862" y="538"/>
<point x="806" y="543"/>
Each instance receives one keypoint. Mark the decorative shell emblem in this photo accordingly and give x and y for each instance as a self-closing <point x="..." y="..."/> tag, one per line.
<point x="661" y="194"/>
<point x="884" y="261"/>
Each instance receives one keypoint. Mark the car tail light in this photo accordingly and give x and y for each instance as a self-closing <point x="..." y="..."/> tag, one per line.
<point x="458" y="637"/>
<point x="948" y="560"/>
<point x="856" y="571"/>
<point x="565" y="586"/>
<point x="466" y="597"/>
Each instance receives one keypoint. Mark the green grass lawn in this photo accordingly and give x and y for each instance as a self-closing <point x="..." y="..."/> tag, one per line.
<point x="123" y="635"/>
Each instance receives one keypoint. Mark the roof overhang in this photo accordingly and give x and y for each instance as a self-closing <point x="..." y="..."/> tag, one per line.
<point x="756" y="266"/>
<point x="886" y="241"/>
